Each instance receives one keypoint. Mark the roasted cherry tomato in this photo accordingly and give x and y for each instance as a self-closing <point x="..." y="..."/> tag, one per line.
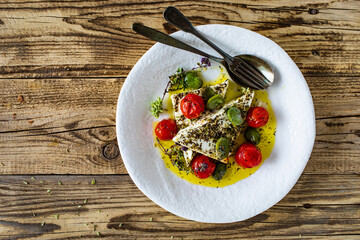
<point x="192" y="106"/>
<point x="248" y="155"/>
<point x="257" y="117"/>
<point x="202" y="166"/>
<point x="166" y="129"/>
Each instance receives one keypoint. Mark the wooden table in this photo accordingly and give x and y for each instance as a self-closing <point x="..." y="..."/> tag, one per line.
<point x="62" y="65"/>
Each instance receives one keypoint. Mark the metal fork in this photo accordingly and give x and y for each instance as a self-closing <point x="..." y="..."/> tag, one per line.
<point x="158" y="36"/>
<point x="241" y="69"/>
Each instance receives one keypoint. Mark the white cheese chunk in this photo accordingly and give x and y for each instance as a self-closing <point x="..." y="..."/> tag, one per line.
<point x="201" y="136"/>
<point x="181" y="120"/>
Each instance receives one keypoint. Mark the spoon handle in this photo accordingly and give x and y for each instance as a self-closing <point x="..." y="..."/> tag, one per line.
<point x="176" y="18"/>
<point x="168" y="40"/>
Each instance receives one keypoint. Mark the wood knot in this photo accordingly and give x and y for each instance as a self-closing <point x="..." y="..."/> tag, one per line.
<point x="315" y="53"/>
<point x="307" y="205"/>
<point x="110" y="151"/>
<point x="313" y="11"/>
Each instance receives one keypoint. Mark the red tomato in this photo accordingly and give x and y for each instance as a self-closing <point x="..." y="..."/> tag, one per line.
<point x="257" y="117"/>
<point x="166" y="129"/>
<point x="202" y="166"/>
<point x="248" y="155"/>
<point x="192" y="106"/>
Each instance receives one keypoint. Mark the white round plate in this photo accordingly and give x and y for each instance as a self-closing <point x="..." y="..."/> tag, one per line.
<point x="295" y="134"/>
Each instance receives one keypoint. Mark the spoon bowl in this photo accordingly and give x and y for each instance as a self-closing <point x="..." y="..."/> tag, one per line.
<point x="260" y="65"/>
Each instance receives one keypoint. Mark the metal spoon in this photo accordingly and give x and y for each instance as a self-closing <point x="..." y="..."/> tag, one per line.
<point x="158" y="36"/>
<point x="250" y="69"/>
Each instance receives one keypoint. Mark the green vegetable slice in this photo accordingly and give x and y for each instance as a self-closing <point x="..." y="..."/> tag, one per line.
<point x="252" y="135"/>
<point x="208" y="93"/>
<point x="219" y="171"/>
<point x="193" y="81"/>
<point x="234" y="115"/>
<point x="222" y="148"/>
<point x="215" y="102"/>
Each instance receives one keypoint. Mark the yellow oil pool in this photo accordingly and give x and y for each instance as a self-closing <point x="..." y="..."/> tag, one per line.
<point x="234" y="172"/>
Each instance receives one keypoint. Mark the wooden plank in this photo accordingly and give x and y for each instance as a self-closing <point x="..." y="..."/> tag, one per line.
<point x="64" y="123"/>
<point x="65" y="126"/>
<point x="336" y="146"/>
<point x="91" y="38"/>
<point x="318" y="207"/>
<point x="335" y="126"/>
<point x="334" y="96"/>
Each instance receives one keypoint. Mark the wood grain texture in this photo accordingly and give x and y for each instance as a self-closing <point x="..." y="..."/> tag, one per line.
<point x="93" y="38"/>
<point x="62" y="123"/>
<point x="325" y="206"/>
<point x="59" y="125"/>
<point x="62" y="65"/>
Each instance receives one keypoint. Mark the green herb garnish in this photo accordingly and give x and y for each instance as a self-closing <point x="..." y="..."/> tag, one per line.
<point x="93" y="182"/>
<point x="156" y="107"/>
<point x="177" y="80"/>
<point x="176" y="155"/>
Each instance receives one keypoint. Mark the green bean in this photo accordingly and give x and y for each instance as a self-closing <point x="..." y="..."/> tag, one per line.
<point x="215" y="102"/>
<point x="222" y="148"/>
<point x="252" y="135"/>
<point x="234" y="115"/>
<point x="193" y="81"/>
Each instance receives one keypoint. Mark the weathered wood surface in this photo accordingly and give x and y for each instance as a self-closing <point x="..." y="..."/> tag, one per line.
<point x="62" y="65"/>
<point x="64" y="123"/>
<point x="93" y="38"/>
<point x="318" y="207"/>
<point x="59" y="125"/>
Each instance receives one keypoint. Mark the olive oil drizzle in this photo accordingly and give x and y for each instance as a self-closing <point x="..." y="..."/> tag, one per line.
<point x="234" y="172"/>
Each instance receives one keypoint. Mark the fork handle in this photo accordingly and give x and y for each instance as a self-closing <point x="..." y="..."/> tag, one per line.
<point x="176" y="18"/>
<point x="168" y="40"/>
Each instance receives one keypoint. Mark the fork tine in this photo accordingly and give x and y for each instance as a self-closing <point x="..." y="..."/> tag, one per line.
<point x="254" y="71"/>
<point x="242" y="79"/>
<point x="256" y="78"/>
<point x="249" y="76"/>
<point x="245" y="79"/>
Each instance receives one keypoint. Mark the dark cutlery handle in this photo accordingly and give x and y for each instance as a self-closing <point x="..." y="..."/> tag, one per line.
<point x="176" y="18"/>
<point x="168" y="40"/>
